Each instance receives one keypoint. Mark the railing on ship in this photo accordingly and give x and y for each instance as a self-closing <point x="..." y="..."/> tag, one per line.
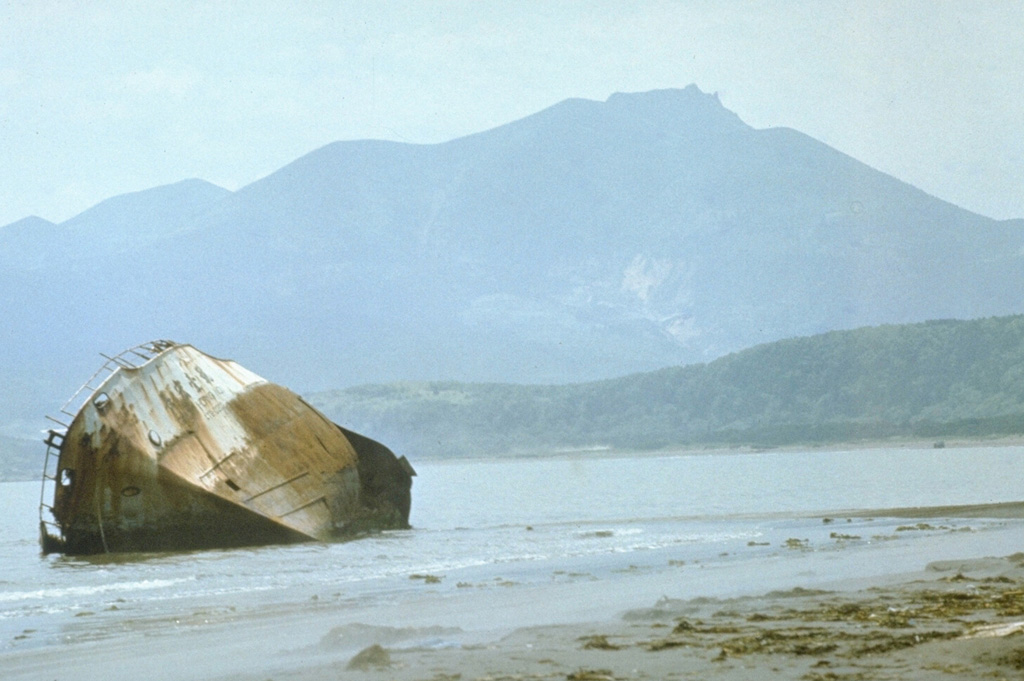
<point x="54" y="440"/>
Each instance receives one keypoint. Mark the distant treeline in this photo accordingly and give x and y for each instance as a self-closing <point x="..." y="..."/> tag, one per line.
<point x="938" y="379"/>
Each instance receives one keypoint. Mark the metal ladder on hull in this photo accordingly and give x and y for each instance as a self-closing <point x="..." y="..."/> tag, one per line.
<point x="54" y="439"/>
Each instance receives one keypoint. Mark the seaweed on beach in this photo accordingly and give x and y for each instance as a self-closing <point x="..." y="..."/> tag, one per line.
<point x="590" y="675"/>
<point x="875" y="622"/>
<point x="598" y="642"/>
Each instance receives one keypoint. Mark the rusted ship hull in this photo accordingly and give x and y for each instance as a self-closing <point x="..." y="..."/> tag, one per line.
<point x="177" y="450"/>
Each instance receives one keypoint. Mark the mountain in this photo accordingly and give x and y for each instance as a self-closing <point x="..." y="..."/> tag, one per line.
<point x="929" y="380"/>
<point x="130" y="220"/>
<point x="122" y="223"/>
<point x="20" y="459"/>
<point x="72" y="290"/>
<point x="26" y="227"/>
<point x="590" y="240"/>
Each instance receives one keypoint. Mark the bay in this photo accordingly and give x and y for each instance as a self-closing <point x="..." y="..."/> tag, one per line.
<point x="500" y="533"/>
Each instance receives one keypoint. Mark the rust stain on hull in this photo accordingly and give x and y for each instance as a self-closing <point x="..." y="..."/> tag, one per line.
<point x="177" y="450"/>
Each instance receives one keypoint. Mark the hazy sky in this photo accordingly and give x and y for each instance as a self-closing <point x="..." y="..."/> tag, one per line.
<point x="99" y="98"/>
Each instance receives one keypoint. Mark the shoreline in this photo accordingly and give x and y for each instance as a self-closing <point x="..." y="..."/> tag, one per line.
<point x="826" y="595"/>
<point x="910" y="606"/>
<point x="1003" y="510"/>
<point x="599" y="452"/>
<point x="953" y="620"/>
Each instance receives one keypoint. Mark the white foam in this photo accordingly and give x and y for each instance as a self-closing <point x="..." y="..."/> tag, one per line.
<point x="72" y="591"/>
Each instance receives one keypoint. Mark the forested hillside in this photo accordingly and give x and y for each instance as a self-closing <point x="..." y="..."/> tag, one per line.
<point x="936" y="379"/>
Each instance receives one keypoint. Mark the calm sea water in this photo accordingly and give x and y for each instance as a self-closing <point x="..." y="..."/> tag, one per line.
<point x="513" y="526"/>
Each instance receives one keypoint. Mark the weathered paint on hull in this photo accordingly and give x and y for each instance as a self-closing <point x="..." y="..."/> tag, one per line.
<point x="188" y="451"/>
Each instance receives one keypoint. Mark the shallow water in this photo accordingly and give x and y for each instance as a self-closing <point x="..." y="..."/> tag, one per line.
<point x="562" y="538"/>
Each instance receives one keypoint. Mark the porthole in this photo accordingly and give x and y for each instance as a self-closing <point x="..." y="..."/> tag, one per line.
<point x="130" y="491"/>
<point x="155" y="438"/>
<point x="101" y="401"/>
<point x="67" y="477"/>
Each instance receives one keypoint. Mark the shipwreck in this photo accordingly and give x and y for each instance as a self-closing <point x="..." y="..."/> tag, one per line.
<point x="166" y="448"/>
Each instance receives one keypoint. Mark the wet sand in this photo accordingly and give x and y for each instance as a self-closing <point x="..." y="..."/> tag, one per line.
<point x="953" y="620"/>
<point x="857" y="611"/>
<point x="1008" y="509"/>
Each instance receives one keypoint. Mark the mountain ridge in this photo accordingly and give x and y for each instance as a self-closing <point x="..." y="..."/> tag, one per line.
<point x="936" y="379"/>
<point x="589" y="240"/>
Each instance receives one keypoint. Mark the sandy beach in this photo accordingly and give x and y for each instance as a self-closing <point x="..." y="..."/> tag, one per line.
<point x="911" y="590"/>
<point x="952" y="620"/>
